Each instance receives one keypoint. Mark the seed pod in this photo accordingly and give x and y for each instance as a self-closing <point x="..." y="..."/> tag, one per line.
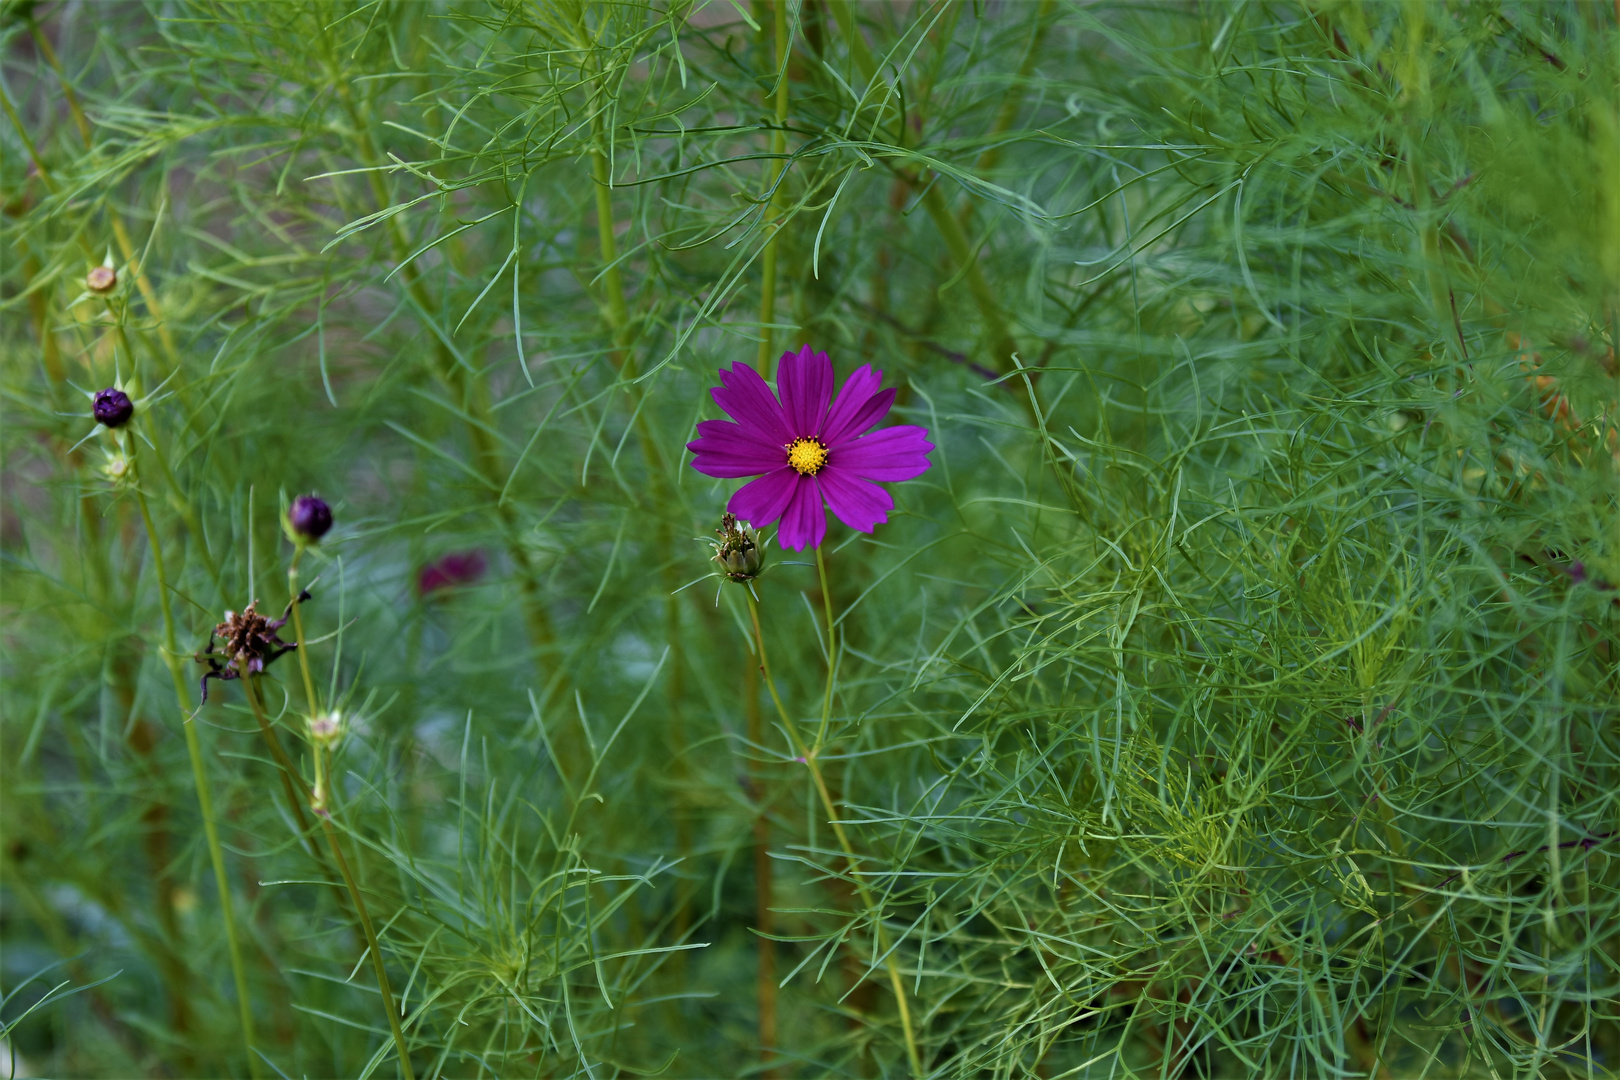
<point x="112" y="407"/>
<point x="102" y="280"/>
<point x="309" y="518"/>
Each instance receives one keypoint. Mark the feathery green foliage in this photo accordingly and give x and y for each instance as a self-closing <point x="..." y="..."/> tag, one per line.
<point x="1235" y="696"/>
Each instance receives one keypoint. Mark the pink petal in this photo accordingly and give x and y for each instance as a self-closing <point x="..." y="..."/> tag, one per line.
<point x="727" y="450"/>
<point x="804" y="523"/>
<point x="762" y="501"/>
<point x="896" y="453"/>
<point x="748" y="400"/>
<point x="860" y="504"/>
<point x="860" y="404"/>
<point x="804" y="381"/>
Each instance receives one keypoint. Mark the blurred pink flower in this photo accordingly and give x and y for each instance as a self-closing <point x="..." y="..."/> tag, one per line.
<point x="448" y="571"/>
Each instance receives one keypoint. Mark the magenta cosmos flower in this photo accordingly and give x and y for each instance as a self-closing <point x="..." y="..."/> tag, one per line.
<point x="808" y="449"/>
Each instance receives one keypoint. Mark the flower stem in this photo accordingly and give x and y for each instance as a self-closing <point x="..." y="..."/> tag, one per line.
<point x="320" y="801"/>
<point x="205" y="800"/>
<point x="292" y="784"/>
<point x="298" y="630"/>
<point x="371" y="945"/>
<point x="832" y="651"/>
<point x="773" y="188"/>
<point x="764" y="883"/>
<point x="177" y="495"/>
<point x="890" y="962"/>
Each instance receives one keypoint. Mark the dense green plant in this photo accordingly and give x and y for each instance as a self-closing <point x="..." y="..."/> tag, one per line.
<point x="1236" y="695"/>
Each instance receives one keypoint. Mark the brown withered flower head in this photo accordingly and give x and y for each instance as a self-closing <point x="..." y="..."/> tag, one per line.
<point x="248" y="640"/>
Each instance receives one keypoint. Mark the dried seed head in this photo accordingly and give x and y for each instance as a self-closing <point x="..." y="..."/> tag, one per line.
<point x="102" y="280"/>
<point x="309" y="519"/>
<point x="249" y="638"/>
<point x="112" y="407"/>
<point x="739" y="554"/>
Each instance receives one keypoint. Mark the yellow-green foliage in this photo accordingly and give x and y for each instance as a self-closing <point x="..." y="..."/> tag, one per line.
<point x="1236" y="695"/>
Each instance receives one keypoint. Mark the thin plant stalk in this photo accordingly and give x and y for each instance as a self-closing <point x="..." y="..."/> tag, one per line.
<point x="292" y="784"/>
<point x="764" y="880"/>
<point x="832" y="651"/>
<point x="126" y="246"/>
<point x="182" y="502"/>
<point x="320" y="804"/>
<point x="773" y="187"/>
<point x="810" y="761"/>
<point x="479" y="422"/>
<point x="205" y="800"/>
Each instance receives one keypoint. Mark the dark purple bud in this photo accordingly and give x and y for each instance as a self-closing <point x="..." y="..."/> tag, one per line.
<point x="112" y="407"/>
<point x="1577" y="572"/>
<point x="309" y="518"/>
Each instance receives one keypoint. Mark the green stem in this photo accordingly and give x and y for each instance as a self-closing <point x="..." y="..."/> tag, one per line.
<point x="371" y="944"/>
<point x="612" y="280"/>
<point x="773" y="173"/>
<point x="188" y="513"/>
<point x="298" y="630"/>
<point x="811" y="763"/>
<point x="472" y="388"/>
<point x="963" y="253"/>
<point x="292" y="784"/>
<point x="320" y="802"/>
<point x="832" y="651"/>
<point x="205" y="800"/>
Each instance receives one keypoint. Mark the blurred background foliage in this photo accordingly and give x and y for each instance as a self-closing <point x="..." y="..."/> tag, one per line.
<point x="1235" y="696"/>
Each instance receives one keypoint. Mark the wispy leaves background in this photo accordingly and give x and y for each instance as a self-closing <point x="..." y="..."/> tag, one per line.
<point x="1236" y="695"/>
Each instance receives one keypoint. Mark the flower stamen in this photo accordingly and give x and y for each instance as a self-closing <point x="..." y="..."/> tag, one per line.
<point x="808" y="456"/>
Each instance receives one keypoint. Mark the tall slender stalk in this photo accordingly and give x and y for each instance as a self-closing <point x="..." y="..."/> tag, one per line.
<point x="471" y="387"/>
<point x="764" y="881"/>
<point x="832" y="650"/>
<point x="809" y="757"/>
<point x="321" y="804"/>
<point x="199" y="773"/>
<point x="773" y="188"/>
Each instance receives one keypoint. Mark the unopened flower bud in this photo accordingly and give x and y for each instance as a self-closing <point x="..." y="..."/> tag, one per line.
<point x="116" y="469"/>
<point x="102" y="280"/>
<point x="112" y="407"/>
<point x="326" y="728"/>
<point x="309" y="519"/>
<point x="739" y="554"/>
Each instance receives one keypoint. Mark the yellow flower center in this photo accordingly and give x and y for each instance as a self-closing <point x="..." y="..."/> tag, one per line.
<point x="807" y="455"/>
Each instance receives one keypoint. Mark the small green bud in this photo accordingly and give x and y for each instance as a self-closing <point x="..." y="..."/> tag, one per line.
<point x="326" y="728"/>
<point x="116" y="468"/>
<point x="740" y="555"/>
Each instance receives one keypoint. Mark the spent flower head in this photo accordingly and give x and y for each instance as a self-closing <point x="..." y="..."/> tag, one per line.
<point x="807" y="449"/>
<point x="248" y="642"/>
